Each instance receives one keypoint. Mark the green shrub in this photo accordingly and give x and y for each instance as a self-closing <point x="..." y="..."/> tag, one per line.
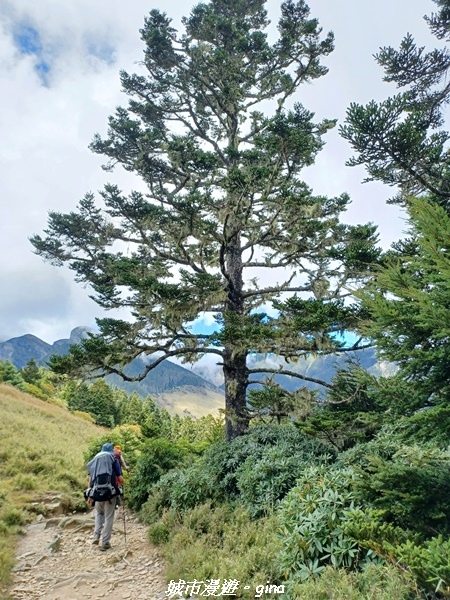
<point x="34" y="390"/>
<point x="256" y="469"/>
<point x="385" y="445"/>
<point x="311" y="524"/>
<point x="10" y="375"/>
<point x="7" y="547"/>
<point x="128" y="437"/>
<point x="263" y="482"/>
<point x="410" y="483"/>
<point x="57" y="402"/>
<point x="413" y="488"/>
<point x="185" y="489"/>
<point x="227" y="462"/>
<point x="96" y="399"/>
<point x="431" y="425"/>
<point x="158" y="500"/>
<point x="429" y="563"/>
<point x="84" y="415"/>
<point x="371" y="530"/>
<point x="375" y="582"/>
<point x="157" y="457"/>
<point x="223" y="543"/>
<point x="25" y="482"/>
<point x="13" y="516"/>
<point x="160" y="532"/>
<point x="207" y="429"/>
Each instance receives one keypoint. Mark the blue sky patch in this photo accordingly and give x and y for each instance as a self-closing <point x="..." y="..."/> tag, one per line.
<point x="200" y="327"/>
<point x="28" y="41"/>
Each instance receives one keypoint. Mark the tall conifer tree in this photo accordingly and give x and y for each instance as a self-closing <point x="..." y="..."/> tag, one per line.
<point x="222" y="203"/>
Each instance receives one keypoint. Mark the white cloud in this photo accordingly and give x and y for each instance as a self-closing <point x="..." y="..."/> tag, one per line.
<point x="205" y="319"/>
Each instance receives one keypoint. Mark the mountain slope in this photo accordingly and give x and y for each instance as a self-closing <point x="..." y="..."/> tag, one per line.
<point x="166" y="377"/>
<point x="19" y="350"/>
<point x="41" y="449"/>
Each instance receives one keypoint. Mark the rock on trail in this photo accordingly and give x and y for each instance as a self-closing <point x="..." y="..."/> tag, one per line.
<point x="57" y="561"/>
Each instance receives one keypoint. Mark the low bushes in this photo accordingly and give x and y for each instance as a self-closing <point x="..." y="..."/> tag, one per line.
<point x="256" y="469"/>
<point x="157" y="456"/>
<point x="219" y="543"/>
<point x="413" y="488"/>
<point x="375" y="582"/>
<point x="429" y="563"/>
<point x="372" y="510"/>
<point x="311" y="521"/>
<point x="128" y="437"/>
<point x="405" y="491"/>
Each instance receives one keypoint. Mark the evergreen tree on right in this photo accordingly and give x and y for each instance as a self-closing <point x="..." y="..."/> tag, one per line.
<point x="409" y="303"/>
<point x="402" y="142"/>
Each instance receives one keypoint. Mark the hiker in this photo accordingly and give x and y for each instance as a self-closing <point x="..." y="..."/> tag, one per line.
<point x="118" y="454"/>
<point x="103" y="469"/>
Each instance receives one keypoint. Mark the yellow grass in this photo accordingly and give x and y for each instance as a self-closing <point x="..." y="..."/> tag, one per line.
<point x="41" y="449"/>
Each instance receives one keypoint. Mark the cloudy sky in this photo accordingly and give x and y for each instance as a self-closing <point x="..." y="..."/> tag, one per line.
<point x="59" y="65"/>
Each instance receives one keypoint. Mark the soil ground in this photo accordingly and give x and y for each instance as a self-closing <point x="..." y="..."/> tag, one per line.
<point x="57" y="561"/>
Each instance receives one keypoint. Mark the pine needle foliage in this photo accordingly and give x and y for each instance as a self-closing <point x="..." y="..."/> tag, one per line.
<point x="409" y="302"/>
<point x="401" y="140"/>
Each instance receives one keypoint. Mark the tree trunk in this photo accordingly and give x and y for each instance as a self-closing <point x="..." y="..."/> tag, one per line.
<point x="234" y="356"/>
<point x="235" y="373"/>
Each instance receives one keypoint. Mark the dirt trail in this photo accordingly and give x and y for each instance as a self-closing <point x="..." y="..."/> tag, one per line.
<point x="57" y="561"/>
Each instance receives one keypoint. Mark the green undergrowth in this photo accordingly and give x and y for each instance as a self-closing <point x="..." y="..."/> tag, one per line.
<point x="224" y="542"/>
<point x="375" y="582"/>
<point x="41" y="450"/>
<point x="219" y="543"/>
<point x="274" y="507"/>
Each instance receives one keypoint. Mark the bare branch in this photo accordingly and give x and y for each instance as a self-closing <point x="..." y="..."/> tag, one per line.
<point x="276" y="289"/>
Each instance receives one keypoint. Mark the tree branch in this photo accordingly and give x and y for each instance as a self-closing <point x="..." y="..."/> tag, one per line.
<point x="275" y="290"/>
<point x="292" y="374"/>
<point x="158" y="361"/>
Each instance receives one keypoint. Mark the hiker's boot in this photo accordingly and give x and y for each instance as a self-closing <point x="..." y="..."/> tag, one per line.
<point x="106" y="546"/>
<point x="95" y="541"/>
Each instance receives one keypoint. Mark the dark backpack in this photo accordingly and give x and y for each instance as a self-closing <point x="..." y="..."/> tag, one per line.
<point x="102" y="489"/>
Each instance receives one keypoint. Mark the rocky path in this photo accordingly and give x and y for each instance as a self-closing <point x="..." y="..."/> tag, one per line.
<point x="57" y="561"/>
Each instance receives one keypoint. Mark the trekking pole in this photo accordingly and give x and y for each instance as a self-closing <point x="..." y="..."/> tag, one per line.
<point x="124" y="521"/>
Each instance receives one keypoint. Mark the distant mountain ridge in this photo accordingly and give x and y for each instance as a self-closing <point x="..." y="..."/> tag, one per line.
<point x="166" y="377"/>
<point x="169" y="378"/>
<point x="21" y="349"/>
<point x="321" y="367"/>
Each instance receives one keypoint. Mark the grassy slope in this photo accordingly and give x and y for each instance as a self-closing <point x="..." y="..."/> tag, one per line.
<point x="41" y="449"/>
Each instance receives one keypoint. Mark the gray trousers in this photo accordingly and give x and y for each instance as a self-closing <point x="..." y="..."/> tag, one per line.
<point x="104" y="519"/>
